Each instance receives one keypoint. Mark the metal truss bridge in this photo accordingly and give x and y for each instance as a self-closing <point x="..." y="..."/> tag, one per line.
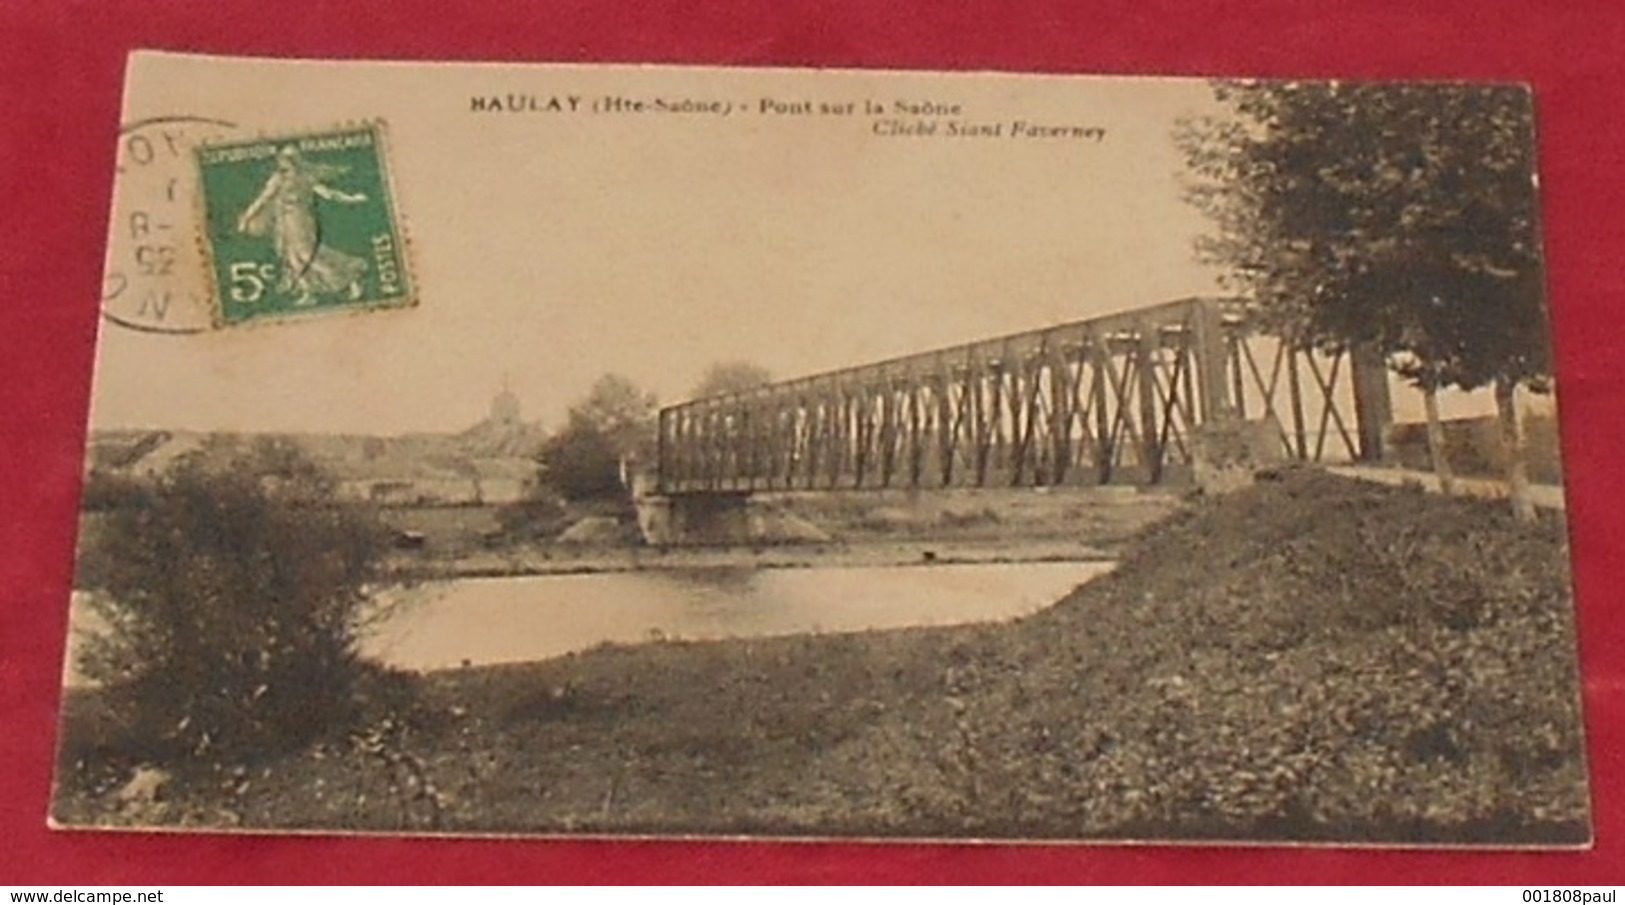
<point x="1113" y="399"/>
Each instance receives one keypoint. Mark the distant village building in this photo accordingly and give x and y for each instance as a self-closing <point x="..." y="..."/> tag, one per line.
<point x="505" y="411"/>
<point x="485" y="464"/>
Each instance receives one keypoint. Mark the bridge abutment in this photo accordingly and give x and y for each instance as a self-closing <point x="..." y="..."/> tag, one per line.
<point x="725" y="519"/>
<point x="712" y="519"/>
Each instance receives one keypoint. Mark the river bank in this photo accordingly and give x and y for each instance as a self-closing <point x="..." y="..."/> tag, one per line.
<point x="861" y="530"/>
<point x="1313" y="659"/>
<point x="560" y="560"/>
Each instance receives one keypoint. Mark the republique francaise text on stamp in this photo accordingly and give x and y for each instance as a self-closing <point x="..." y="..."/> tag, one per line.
<point x="301" y="224"/>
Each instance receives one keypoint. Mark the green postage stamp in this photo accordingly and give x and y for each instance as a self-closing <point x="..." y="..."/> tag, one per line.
<point x="301" y="224"/>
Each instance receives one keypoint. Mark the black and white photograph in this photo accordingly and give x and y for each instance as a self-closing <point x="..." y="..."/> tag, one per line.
<point x="799" y="454"/>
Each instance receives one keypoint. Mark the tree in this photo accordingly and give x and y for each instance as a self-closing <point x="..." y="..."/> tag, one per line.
<point x="728" y="377"/>
<point x="232" y="587"/>
<point x="581" y="462"/>
<point x="1397" y="218"/>
<point x="623" y="414"/>
<point x="607" y="433"/>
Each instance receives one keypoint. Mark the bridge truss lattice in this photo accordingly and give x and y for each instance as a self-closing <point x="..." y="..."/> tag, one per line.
<point x="1113" y="399"/>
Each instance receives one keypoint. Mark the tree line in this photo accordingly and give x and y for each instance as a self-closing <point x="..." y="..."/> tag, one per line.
<point x="233" y="587"/>
<point x="1398" y="218"/>
<point x="611" y="432"/>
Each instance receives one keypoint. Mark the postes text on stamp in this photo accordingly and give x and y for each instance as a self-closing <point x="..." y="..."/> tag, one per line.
<point x="301" y="224"/>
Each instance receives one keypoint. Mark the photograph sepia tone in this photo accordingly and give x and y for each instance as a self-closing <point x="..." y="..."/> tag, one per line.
<point x="549" y="450"/>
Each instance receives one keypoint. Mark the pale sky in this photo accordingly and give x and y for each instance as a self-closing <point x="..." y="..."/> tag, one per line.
<point x="553" y="248"/>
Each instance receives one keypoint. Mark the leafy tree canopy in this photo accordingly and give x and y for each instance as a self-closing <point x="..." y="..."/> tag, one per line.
<point x="580" y="462"/>
<point x="611" y="428"/>
<point x="1400" y="216"/>
<point x="621" y="412"/>
<point x="727" y="377"/>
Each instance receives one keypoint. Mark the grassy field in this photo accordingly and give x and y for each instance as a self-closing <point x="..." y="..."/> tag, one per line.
<point x="1311" y="659"/>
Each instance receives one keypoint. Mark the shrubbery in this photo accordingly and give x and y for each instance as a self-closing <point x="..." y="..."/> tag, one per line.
<point x="607" y="431"/>
<point x="581" y="462"/>
<point x="536" y="514"/>
<point x="231" y="588"/>
<point x="105" y="491"/>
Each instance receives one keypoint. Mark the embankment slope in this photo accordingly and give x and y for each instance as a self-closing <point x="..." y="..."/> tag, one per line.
<point x="1312" y="658"/>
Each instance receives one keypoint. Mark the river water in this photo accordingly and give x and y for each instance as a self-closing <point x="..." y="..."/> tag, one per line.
<point x="502" y="620"/>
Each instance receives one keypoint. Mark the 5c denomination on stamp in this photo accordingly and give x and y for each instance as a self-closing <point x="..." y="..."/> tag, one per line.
<point x="303" y="224"/>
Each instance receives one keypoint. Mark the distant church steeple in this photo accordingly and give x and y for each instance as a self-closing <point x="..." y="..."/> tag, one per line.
<point x="505" y="406"/>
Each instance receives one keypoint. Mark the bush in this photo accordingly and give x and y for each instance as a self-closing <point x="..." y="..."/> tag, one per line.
<point x="535" y="515"/>
<point x="104" y="491"/>
<point x="581" y="462"/>
<point x="231" y="589"/>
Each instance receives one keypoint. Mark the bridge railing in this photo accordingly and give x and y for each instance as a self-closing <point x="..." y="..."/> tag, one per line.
<point x="1109" y="399"/>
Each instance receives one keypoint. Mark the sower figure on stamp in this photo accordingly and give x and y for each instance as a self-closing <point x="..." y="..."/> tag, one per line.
<point x="286" y="211"/>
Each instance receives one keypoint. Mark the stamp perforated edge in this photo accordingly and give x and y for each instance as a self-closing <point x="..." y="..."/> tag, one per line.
<point x="386" y="175"/>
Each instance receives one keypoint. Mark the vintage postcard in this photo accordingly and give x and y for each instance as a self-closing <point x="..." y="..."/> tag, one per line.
<point x="547" y="450"/>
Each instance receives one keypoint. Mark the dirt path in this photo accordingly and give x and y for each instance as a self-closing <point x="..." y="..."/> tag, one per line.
<point x="1545" y="496"/>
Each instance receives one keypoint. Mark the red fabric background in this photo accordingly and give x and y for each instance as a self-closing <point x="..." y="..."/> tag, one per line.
<point x="60" y="71"/>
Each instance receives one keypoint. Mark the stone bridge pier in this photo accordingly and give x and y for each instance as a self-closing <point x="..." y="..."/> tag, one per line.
<point x="713" y="519"/>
